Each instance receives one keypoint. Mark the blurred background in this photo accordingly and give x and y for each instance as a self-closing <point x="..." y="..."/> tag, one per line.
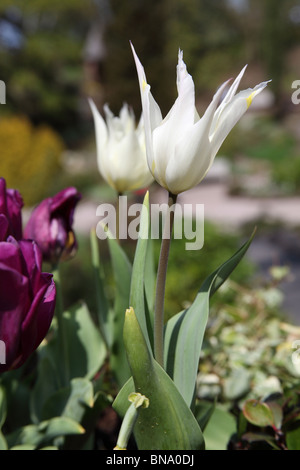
<point x="53" y="55"/>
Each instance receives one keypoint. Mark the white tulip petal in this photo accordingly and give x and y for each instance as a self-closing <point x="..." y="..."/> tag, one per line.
<point x="127" y="173"/>
<point x="231" y="114"/>
<point x="121" y="151"/>
<point x="185" y="102"/>
<point x="181" y="148"/>
<point x="101" y="138"/>
<point x="151" y="110"/>
<point x="191" y="159"/>
<point x="233" y="89"/>
<point x="177" y="123"/>
<point x="100" y="126"/>
<point x="229" y="95"/>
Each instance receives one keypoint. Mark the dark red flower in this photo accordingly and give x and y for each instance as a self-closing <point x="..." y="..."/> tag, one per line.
<point x="27" y="301"/>
<point x="11" y="204"/>
<point x="50" y="225"/>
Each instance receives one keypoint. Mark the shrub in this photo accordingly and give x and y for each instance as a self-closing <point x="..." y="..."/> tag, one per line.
<point x="30" y="157"/>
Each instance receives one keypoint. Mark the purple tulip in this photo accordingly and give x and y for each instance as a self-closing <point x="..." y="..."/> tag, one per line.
<point x="11" y="204"/>
<point x="27" y="301"/>
<point x="50" y="225"/>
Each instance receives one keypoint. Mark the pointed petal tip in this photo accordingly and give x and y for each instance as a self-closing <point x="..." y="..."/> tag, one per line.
<point x="223" y="86"/>
<point x="93" y="107"/>
<point x="90" y="101"/>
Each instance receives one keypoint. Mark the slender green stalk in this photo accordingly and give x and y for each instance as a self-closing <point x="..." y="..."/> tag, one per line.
<point x="161" y="283"/>
<point x="59" y="310"/>
<point x="102" y="306"/>
<point x="137" y="401"/>
<point x="118" y="217"/>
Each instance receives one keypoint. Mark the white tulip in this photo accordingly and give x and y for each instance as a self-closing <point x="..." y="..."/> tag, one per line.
<point x="121" y="151"/>
<point x="181" y="147"/>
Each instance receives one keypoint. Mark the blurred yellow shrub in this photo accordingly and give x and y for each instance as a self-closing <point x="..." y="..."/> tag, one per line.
<point x="30" y="157"/>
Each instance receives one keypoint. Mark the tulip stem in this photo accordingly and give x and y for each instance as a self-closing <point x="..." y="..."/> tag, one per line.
<point x="119" y="195"/>
<point x="61" y="331"/>
<point x="161" y="282"/>
<point x="138" y="401"/>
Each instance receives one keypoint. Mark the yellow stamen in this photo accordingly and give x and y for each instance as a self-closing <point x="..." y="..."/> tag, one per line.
<point x="70" y="240"/>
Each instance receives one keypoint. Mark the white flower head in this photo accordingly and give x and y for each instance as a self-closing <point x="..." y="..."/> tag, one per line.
<point x="182" y="146"/>
<point x="121" y="151"/>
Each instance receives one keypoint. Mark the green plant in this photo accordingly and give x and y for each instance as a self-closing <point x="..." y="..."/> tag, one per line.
<point x="30" y="157"/>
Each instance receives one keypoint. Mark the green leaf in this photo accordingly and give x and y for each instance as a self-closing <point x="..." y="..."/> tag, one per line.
<point x="45" y="432"/>
<point x="71" y="401"/>
<point x="3" y="443"/>
<point x="49" y="448"/>
<point x="122" y="274"/>
<point x="237" y="384"/>
<point x="168" y="423"/>
<point x="293" y="436"/>
<point x="149" y="279"/>
<point x="101" y="300"/>
<point x="255" y="437"/>
<point x="137" y="288"/>
<point x="203" y="412"/>
<point x="277" y="413"/>
<point x="86" y="346"/>
<point x="17" y="391"/>
<point x="81" y="396"/>
<point x="89" y="421"/>
<point x="23" y="447"/>
<point x="46" y="384"/>
<point x="3" y="406"/>
<point x="185" y="331"/>
<point x="258" y="413"/>
<point x="219" y="430"/>
<point x="79" y="403"/>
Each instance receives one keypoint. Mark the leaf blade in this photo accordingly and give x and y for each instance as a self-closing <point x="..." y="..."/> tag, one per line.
<point x="168" y="423"/>
<point x="185" y="331"/>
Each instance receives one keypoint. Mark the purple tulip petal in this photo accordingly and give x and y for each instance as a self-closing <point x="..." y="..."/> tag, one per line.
<point x="27" y="300"/>
<point x="39" y="317"/>
<point x="50" y="225"/>
<point x="10" y="255"/>
<point x="11" y="204"/>
<point x="15" y="301"/>
<point x="14" y="207"/>
<point x="32" y="257"/>
<point x="3" y="205"/>
<point x="38" y="226"/>
<point x="4" y="225"/>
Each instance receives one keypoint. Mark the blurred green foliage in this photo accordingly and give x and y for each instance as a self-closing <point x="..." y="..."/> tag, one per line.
<point x="49" y="73"/>
<point x="43" y="71"/>
<point x="288" y="176"/>
<point x="186" y="270"/>
<point x="46" y="72"/>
